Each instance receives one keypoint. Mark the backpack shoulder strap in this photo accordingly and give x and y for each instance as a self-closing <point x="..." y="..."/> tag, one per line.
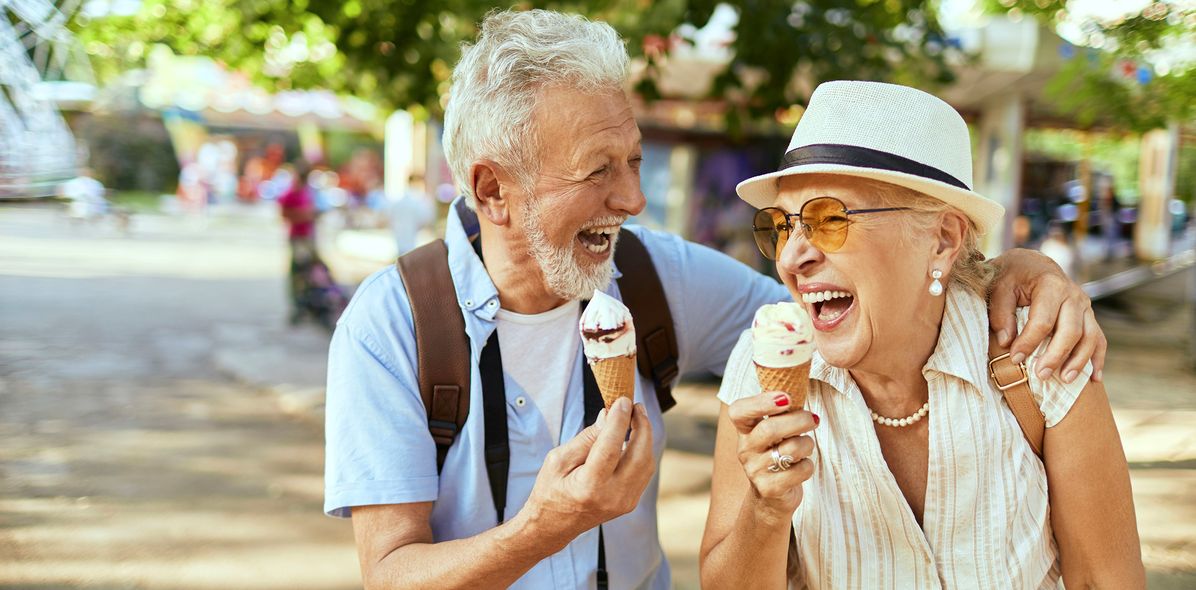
<point x="441" y="343"/>
<point x="643" y="294"/>
<point x="1014" y="382"/>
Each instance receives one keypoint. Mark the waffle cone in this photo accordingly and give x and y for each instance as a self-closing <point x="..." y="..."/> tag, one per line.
<point x="794" y="381"/>
<point x="615" y="377"/>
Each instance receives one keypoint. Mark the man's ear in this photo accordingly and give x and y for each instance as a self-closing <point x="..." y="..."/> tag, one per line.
<point x="492" y="191"/>
<point x="949" y="244"/>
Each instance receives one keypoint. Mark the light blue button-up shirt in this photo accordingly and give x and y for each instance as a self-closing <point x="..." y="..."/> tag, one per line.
<point x="379" y="450"/>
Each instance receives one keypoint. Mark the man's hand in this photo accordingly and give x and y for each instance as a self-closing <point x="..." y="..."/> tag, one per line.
<point x="1056" y="304"/>
<point x="593" y="478"/>
<point x="583" y="483"/>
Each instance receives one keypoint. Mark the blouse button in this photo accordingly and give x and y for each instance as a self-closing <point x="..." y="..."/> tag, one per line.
<point x="520" y="401"/>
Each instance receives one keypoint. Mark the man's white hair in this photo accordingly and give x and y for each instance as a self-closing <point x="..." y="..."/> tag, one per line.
<point x="497" y="81"/>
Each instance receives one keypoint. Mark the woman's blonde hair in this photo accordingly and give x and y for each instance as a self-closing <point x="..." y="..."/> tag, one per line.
<point x="970" y="271"/>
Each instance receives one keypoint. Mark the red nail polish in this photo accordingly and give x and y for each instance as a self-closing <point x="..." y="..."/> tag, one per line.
<point x="781" y="400"/>
<point x="817" y="420"/>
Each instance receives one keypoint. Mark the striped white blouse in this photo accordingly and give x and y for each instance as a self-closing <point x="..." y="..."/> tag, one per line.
<point x="986" y="516"/>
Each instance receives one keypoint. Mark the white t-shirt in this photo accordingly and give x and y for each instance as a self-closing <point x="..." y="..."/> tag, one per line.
<point x="539" y="352"/>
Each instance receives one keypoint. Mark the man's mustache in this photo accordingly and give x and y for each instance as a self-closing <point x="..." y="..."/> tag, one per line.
<point x="604" y="222"/>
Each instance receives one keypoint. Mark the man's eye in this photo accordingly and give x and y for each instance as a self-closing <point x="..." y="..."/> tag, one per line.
<point x="598" y="172"/>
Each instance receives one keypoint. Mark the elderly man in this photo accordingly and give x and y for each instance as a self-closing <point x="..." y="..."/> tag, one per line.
<point x="543" y="143"/>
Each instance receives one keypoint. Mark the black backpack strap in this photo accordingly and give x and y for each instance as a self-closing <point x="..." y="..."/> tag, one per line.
<point x="441" y="343"/>
<point x="642" y="293"/>
<point x="494" y="407"/>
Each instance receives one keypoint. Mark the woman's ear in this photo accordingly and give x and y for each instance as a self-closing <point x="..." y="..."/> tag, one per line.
<point x="492" y="187"/>
<point x="952" y="227"/>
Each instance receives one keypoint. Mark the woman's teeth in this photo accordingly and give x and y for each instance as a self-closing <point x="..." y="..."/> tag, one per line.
<point x="821" y="296"/>
<point x="829" y="312"/>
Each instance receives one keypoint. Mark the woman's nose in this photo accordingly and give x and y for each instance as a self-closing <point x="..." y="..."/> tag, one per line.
<point x="798" y="257"/>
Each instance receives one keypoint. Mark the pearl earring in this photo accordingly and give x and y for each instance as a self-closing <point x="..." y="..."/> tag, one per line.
<point x="936" y="288"/>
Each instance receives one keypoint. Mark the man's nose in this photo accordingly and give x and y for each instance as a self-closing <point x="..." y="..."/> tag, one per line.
<point x="798" y="257"/>
<point x="627" y="196"/>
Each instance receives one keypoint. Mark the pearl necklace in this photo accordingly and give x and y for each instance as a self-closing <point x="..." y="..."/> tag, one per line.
<point x="900" y="422"/>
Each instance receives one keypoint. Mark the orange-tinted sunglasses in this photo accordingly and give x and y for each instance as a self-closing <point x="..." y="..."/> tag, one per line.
<point x="823" y="221"/>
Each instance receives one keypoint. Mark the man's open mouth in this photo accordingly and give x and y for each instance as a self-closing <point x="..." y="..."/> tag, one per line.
<point x="597" y="239"/>
<point x="829" y="305"/>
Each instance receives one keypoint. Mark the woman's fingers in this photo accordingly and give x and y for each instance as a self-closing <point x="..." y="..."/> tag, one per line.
<point x="769" y="433"/>
<point x="766" y="422"/>
<point x="758" y="460"/>
<point x="773" y="482"/>
<point x="749" y="411"/>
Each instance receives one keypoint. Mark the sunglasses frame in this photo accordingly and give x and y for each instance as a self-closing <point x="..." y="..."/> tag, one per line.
<point x="806" y="230"/>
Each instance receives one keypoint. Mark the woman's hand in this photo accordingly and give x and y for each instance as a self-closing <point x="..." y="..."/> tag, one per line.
<point x="766" y="422"/>
<point x="1058" y="308"/>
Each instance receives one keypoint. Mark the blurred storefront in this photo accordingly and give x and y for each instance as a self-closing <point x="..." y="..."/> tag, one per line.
<point x="692" y="166"/>
<point x="229" y="138"/>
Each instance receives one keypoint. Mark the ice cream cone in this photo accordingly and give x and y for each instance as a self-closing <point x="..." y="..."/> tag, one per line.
<point x="794" y="381"/>
<point x="615" y="377"/>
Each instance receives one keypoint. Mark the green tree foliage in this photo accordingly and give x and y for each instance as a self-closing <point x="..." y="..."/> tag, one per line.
<point x="1122" y="75"/>
<point x="400" y="52"/>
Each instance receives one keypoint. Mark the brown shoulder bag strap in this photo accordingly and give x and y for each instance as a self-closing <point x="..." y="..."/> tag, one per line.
<point x="441" y="343"/>
<point x="656" y="341"/>
<point x="1014" y="382"/>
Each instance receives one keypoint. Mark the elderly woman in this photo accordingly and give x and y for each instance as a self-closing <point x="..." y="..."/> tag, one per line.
<point x="907" y="468"/>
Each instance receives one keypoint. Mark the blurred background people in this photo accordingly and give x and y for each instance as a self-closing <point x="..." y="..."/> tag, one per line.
<point x="298" y="208"/>
<point x="410" y="213"/>
<point x="86" y="196"/>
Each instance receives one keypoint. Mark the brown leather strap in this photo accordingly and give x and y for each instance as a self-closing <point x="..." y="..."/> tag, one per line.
<point x="656" y="341"/>
<point x="1014" y="383"/>
<point x="441" y="343"/>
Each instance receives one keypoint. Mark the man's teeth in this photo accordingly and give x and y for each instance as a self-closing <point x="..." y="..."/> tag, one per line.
<point x="601" y="237"/>
<point x="606" y="231"/>
<point x="821" y="296"/>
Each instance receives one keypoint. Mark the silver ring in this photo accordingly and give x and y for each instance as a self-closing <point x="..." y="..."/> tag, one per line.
<point x="779" y="462"/>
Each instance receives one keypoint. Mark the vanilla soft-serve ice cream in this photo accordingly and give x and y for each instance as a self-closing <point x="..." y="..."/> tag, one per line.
<point x="608" y="339"/>
<point x="782" y="346"/>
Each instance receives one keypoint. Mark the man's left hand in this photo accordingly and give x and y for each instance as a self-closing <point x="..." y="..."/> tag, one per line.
<point x="1056" y="304"/>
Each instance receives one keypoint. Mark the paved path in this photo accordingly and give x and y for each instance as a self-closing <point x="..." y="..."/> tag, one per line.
<point x="128" y="456"/>
<point x="161" y="426"/>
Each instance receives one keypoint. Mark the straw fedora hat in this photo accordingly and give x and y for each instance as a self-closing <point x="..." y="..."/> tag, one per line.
<point x="891" y="133"/>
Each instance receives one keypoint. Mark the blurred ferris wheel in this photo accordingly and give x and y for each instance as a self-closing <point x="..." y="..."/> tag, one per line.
<point x="40" y="63"/>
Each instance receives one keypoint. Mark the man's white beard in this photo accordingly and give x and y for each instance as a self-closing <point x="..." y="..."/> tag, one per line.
<point x="565" y="277"/>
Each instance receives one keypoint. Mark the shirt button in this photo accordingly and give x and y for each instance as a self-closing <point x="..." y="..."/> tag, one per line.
<point x="491" y="303"/>
<point x="469" y="303"/>
<point x="521" y="401"/>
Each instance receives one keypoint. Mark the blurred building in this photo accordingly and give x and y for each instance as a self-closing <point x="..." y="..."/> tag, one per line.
<point x="42" y="68"/>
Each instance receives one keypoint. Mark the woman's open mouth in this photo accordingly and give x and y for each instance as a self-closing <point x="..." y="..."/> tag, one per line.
<point x="830" y="307"/>
<point x="598" y="240"/>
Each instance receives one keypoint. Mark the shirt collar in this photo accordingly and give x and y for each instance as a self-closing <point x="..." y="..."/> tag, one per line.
<point x="475" y="289"/>
<point x="962" y="349"/>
